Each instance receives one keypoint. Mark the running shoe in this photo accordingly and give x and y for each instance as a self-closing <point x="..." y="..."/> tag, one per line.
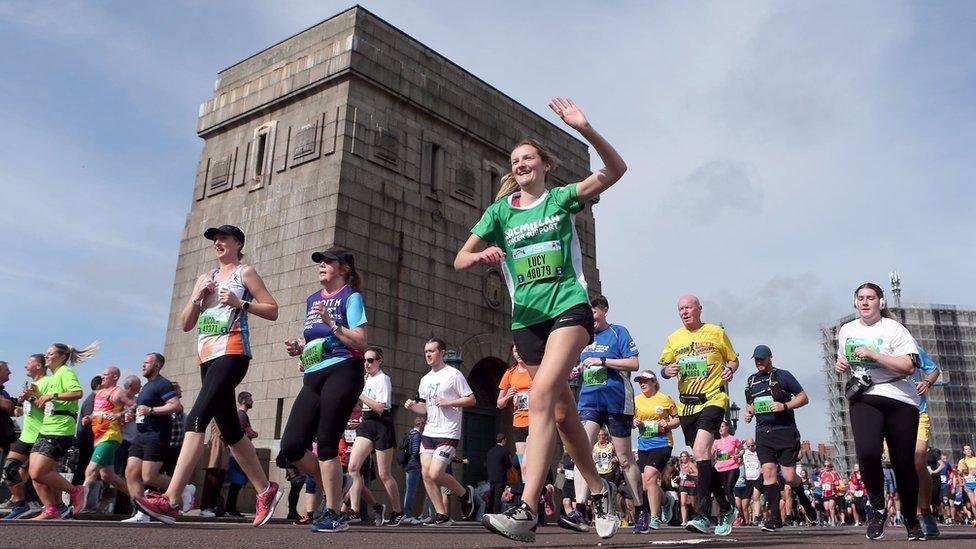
<point x="208" y="513"/>
<point x="438" y="520"/>
<point x="235" y="514"/>
<point x="915" y="531"/>
<point x="78" y="496"/>
<point x="771" y="526"/>
<point x="266" y="502"/>
<point x="158" y="507"/>
<point x="654" y="523"/>
<point x="353" y="517"/>
<point x="35" y="508"/>
<point x="303" y="520"/>
<point x="467" y="503"/>
<point x="547" y="500"/>
<point x="738" y="521"/>
<point x="930" y="527"/>
<point x="187" y="497"/>
<point x="331" y="521"/>
<point x="607" y="521"/>
<point x="66" y="511"/>
<point x="724" y="526"/>
<point x="667" y="508"/>
<point x="17" y="510"/>
<point x="876" y="524"/>
<point x="698" y="525"/>
<point x="380" y="510"/>
<point x="518" y="523"/>
<point x="138" y="517"/>
<point x="9" y="504"/>
<point x="395" y="519"/>
<point x="50" y="512"/>
<point x="641" y="525"/>
<point x="346" y="486"/>
<point x="573" y="521"/>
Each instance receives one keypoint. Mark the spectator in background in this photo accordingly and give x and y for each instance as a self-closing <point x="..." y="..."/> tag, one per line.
<point x="497" y="463"/>
<point x="84" y="438"/>
<point x="211" y="502"/>
<point x="412" y="469"/>
<point x="235" y="475"/>
<point x="178" y="419"/>
<point x="7" y="405"/>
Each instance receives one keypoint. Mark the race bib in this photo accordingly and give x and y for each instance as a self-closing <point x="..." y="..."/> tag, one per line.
<point x="762" y="405"/>
<point x="27" y="407"/>
<point x="49" y="408"/>
<point x="858" y="493"/>
<point x="693" y="366"/>
<point x="740" y="483"/>
<point x="349" y="435"/>
<point x="827" y="487"/>
<point x="722" y="456"/>
<point x="215" y="321"/>
<point x="970" y="479"/>
<point x="140" y="418"/>
<point x="648" y="429"/>
<point x="538" y="261"/>
<point x="594" y="375"/>
<point x="316" y="351"/>
<point x="522" y="401"/>
<point x="855" y="342"/>
<point x="568" y="473"/>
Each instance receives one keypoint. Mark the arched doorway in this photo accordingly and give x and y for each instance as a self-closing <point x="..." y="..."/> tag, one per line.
<point x="483" y="420"/>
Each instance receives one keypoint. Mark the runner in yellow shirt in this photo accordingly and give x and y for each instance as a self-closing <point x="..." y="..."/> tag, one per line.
<point x="702" y="358"/>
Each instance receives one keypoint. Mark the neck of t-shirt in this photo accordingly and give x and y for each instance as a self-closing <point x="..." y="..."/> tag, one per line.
<point x="325" y="293"/>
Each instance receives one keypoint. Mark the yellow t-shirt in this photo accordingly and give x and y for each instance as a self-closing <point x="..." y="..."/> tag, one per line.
<point x="970" y="464"/>
<point x="603" y="458"/>
<point x="701" y="355"/>
<point x="654" y="409"/>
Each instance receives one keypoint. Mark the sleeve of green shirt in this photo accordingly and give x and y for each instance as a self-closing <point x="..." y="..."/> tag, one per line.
<point x="567" y="199"/>
<point x="487" y="226"/>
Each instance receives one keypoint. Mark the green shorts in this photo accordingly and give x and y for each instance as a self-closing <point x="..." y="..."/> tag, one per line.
<point x="104" y="453"/>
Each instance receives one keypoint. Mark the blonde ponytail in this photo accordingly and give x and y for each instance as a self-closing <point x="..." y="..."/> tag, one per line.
<point x="509" y="185"/>
<point x="75" y="356"/>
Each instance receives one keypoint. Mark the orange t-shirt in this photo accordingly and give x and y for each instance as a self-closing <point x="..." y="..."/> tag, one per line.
<point x="521" y="381"/>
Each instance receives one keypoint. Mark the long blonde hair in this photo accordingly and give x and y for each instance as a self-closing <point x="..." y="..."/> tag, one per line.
<point x="509" y="185"/>
<point x="74" y="356"/>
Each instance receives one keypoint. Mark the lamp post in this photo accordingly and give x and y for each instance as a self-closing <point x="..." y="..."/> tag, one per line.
<point x="732" y="416"/>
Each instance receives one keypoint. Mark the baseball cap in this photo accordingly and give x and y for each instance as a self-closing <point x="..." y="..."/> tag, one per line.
<point x="646" y="374"/>
<point x="335" y="255"/>
<point x="231" y="230"/>
<point x="762" y="351"/>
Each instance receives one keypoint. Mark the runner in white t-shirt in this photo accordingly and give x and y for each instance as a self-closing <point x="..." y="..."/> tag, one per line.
<point x="376" y="431"/>
<point x="443" y="392"/>
<point x="746" y="492"/>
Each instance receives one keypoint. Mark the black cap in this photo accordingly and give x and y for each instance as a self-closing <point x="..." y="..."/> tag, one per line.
<point x="335" y="255"/>
<point x="762" y="351"/>
<point x="231" y="230"/>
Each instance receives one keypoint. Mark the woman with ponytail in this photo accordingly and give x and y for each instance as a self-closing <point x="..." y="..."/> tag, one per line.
<point x="529" y="232"/>
<point x="56" y="435"/>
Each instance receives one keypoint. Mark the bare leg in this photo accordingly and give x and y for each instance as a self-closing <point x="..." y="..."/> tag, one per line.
<point x="628" y="466"/>
<point x="361" y="449"/>
<point x="430" y="471"/>
<point x="592" y="430"/>
<point x="331" y="473"/>
<point x="190" y="455"/>
<point x="654" y="493"/>
<point x="384" y="462"/>
<point x="247" y="458"/>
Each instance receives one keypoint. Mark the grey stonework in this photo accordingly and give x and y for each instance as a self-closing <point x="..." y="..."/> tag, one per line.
<point x="375" y="142"/>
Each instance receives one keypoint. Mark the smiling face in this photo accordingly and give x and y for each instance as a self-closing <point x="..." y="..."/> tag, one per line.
<point x="54" y="357"/>
<point x="34" y="367"/>
<point x="528" y="167"/>
<point x="227" y="247"/>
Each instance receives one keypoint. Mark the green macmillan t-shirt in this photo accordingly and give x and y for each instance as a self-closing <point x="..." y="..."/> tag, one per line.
<point x="543" y="263"/>
<point x="62" y="381"/>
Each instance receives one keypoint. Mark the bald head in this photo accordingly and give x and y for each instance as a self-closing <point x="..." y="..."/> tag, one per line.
<point x="689" y="310"/>
<point x="110" y="377"/>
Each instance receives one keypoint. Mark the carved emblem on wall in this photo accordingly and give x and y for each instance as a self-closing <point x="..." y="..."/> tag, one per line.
<point x="493" y="288"/>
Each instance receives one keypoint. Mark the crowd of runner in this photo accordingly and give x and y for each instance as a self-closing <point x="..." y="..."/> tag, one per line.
<point x="340" y="432"/>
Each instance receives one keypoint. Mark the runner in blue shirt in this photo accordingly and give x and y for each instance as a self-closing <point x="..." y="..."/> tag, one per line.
<point x="925" y="376"/>
<point x="607" y="400"/>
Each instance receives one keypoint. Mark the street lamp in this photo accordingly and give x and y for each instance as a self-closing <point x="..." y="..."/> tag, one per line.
<point x="732" y="416"/>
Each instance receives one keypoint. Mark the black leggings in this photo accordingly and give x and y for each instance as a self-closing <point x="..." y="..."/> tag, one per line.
<point x="728" y="480"/>
<point x="217" y="400"/>
<point x="322" y="410"/>
<point x="873" y="420"/>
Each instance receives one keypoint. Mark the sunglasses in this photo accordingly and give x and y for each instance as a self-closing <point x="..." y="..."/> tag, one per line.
<point x="371" y="360"/>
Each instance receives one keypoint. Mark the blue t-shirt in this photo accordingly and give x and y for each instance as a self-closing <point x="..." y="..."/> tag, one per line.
<point x="155" y="393"/>
<point x="607" y="389"/>
<point x="757" y="387"/>
<point x="927" y="367"/>
<point x="322" y="347"/>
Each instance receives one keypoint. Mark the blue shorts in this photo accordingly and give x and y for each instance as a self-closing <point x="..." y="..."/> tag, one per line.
<point x="889" y="480"/>
<point x="619" y="425"/>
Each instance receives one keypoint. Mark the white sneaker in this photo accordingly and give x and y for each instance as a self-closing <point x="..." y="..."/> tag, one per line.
<point x="187" y="500"/>
<point x="607" y="521"/>
<point x="207" y="513"/>
<point x="7" y="505"/>
<point x="138" y="517"/>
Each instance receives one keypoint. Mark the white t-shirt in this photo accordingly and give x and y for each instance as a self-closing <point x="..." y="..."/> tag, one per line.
<point x="446" y="383"/>
<point x="379" y="388"/>
<point x="751" y="462"/>
<point x="889" y="338"/>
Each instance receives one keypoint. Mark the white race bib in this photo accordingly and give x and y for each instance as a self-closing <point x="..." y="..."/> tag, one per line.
<point x="49" y="408"/>
<point x="140" y="417"/>
<point x="27" y="407"/>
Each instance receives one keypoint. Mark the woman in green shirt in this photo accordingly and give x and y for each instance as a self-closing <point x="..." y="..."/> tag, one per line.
<point x="60" y="404"/>
<point x="529" y="232"/>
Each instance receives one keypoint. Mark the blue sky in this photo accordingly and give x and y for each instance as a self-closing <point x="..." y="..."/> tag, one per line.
<point x="779" y="153"/>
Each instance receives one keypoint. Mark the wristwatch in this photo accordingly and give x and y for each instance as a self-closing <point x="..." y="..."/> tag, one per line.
<point x="245" y="305"/>
<point x="603" y="361"/>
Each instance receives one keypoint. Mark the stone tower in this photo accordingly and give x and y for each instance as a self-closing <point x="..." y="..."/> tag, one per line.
<point x="352" y="132"/>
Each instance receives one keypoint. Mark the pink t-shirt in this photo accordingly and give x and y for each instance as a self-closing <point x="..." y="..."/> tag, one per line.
<point x="726" y="450"/>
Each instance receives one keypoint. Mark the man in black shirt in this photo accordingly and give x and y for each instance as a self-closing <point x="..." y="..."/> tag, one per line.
<point x="772" y="395"/>
<point x="497" y="463"/>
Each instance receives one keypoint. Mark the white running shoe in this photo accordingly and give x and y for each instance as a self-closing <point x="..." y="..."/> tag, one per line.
<point x="607" y="520"/>
<point x="187" y="499"/>
<point x="138" y="517"/>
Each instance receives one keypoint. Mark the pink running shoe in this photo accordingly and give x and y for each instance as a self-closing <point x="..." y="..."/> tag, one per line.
<point x="737" y="521"/>
<point x="547" y="500"/>
<point x="78" y="495"/>
<point x="158" y="507"/>
<point x="266" y="503"/>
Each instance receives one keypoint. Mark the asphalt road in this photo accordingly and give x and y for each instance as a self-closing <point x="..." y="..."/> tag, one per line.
<point x="208" y="535"/>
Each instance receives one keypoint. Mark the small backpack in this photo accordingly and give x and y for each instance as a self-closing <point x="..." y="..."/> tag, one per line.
<point x="403" y="450"/>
